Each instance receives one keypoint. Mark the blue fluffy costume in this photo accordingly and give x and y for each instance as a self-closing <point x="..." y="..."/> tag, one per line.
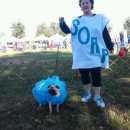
<point x="40" y="91"/>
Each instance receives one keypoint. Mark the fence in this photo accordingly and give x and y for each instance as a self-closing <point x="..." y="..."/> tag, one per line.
<point x="27" y="73"/>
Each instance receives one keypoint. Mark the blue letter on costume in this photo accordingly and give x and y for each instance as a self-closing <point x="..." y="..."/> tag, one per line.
<point x="87" y="35"/>
<point x="75" y="23"/>
<point x="94" y="46"/>
<point x="104" y="54"/>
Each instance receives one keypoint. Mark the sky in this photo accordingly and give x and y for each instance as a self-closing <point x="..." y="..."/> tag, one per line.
<point x="34" y="12"/>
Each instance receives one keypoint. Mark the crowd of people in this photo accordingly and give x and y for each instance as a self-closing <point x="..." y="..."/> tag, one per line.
<point x="37" y="45"/>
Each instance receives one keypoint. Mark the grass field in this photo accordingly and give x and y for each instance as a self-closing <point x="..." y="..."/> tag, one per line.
<point x="19" y="110"/>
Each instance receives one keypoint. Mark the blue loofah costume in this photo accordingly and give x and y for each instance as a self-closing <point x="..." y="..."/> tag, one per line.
<point x="41" y="95"/>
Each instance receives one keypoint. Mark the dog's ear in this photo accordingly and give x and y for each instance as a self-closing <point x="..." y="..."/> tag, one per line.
<point x="57" y="87"/>
<point x="49" y="86"/>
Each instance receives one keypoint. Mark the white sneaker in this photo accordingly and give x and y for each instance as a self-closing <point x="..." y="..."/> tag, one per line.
<point x="99" y="101"/>
<point x="86" y="97"/>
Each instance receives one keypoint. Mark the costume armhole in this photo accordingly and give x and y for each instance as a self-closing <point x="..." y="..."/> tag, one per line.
<point x="105" y="21"/>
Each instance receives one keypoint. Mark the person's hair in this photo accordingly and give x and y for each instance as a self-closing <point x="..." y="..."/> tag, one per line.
<point x="92" y="2"/>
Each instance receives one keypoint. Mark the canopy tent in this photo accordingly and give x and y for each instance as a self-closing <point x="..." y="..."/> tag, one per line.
<point x="41" y="38"/>
<point x="24" y="39"/>
<point x="67" y="37"/>
<point x="27" y="39"/>
<point x="8" y="39"/>
<point x="57" y="37"/>
<point x="68" y="40"/>
<point x="57" y="40"/>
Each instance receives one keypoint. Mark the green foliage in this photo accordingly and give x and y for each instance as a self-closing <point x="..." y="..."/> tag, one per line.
<point x="54" y="27"/>
<point x="43" y="29"/>
<point x="18" y="30"/>
<point x="50" y="30"/>
<point x="127" y="25"/>
<point x="109" y="27"/>
<point x="17" y="105"/>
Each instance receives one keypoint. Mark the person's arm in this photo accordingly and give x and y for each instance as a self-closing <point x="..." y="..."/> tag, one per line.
<point x="63" y="26"/>
<point x="107" y="39"/>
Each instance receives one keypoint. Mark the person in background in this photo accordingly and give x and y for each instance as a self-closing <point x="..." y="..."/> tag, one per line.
<point x="126" y="47"/>
<point x="124" y="41"/>
<point x="91" y="44"/>
<point x="129" y="42"/>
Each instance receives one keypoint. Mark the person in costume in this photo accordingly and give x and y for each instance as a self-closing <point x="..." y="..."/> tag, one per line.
<point x="91" y="44"/>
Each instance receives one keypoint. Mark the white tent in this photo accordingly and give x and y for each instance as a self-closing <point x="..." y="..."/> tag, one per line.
<point x="67" y="37"/>
<point x="57" y="37"/>
<point x="8" y="39"/>
<point x="31" y="39"/>
<point x="27" y="39"/>
<point x="41" y="38"/>
<point x="68" y="40"/>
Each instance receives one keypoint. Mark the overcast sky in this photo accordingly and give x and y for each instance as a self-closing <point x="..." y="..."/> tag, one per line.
<point x="34" y="12"/>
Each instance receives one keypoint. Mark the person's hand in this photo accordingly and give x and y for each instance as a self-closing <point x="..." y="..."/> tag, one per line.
<point x="61" y="19"/>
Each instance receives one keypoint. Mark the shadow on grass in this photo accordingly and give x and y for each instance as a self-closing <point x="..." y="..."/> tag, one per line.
<point x="19" y="110"/>
<point x="34" y="56"/>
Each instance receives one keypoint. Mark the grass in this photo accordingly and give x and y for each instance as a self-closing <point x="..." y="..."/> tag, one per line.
<point x="19" y="110"/>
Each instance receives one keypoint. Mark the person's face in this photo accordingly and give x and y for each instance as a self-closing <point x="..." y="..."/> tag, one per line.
<point x="86" y="6"/>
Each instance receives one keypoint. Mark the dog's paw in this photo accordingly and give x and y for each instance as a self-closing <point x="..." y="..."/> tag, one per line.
<point x="39" y="106"/>
<point x="57" y="108"/>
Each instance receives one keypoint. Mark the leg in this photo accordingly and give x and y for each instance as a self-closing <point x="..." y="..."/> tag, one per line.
<point x="126" y="51"/>
<point x="96" y="82"/>
<point x="39" y="106"/>
<point x="85" y="79"/>
<point x="57" y="107"/>
<point x="86" y="84"/>
<point x="86" y="88"/>
<point x="50" y="108"/>
<point x="77" y="73"/>
<point x="97" y="91"/>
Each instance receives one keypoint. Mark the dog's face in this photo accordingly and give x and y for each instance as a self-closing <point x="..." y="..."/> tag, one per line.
<point x="53" y="90"/>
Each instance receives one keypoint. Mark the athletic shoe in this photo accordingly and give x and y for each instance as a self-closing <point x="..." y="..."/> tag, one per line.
<point x="86" y="97"/>
<point x="99" y="101"/>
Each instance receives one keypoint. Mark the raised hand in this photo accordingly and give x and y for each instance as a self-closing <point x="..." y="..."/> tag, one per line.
<point x="61" y="19"/>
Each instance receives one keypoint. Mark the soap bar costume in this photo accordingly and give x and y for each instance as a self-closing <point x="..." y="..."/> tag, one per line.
<point x="90" y="49"/>
<point x="94" y="51"/>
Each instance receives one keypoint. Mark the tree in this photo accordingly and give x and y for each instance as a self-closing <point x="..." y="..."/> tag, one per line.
<point x="127" y="25"/>
<point x="43" y="29"/>
<point x="50" y="30"/>
<point x="56" y="29"/>
<point x="18" y="30"/>
<point x="109" y="27"/>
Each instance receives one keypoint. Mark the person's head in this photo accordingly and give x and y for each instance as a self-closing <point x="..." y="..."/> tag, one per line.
<point x="86" y="5"/>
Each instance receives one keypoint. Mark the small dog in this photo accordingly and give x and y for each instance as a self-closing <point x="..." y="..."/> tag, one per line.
<point x="53" y="90"/>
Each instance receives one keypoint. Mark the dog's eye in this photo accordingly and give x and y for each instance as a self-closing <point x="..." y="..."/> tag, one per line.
<point x="57" y="87"/>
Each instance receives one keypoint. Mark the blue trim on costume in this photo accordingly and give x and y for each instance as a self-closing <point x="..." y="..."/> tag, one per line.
<point x="94" y="44"/>
<point x="87" y="35"/>
<point x="104" y="54"/>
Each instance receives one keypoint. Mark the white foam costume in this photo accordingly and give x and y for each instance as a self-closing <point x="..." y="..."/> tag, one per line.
<point x="88" y="46"/>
